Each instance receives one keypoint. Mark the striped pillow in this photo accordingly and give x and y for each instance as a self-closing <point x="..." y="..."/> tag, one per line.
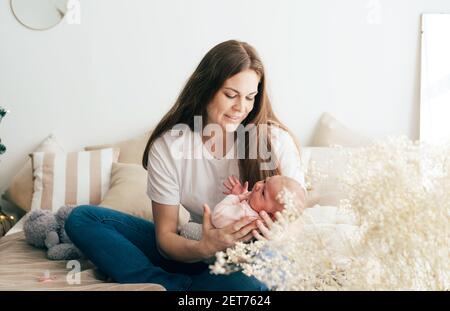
<point x="73" y="178"/>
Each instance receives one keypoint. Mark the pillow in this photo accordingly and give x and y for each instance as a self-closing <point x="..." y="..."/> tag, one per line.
<point x="72" y="178"/>
<point x="128" y="192"/>
<point x="131" y="150"/>
<point x="331" y="132"/>
<point x="20" y="192"/>
<point x="330" y="162"/>
<point x="324" y="189"/>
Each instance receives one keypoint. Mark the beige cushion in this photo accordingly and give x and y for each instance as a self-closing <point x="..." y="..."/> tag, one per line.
<point x="128" y="192"/>
<point x="74" y="178"/>
<point x="131" y="150"/>
<point x="20" y="192"/>
<point x="331" y="132"/>
<point x="324" y="188"/>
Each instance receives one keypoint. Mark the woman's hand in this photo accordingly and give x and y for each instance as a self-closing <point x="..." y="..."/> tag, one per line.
<point x="269" y="228"/>
<point x="234" y="186"/>
<point x="215" y="240"/>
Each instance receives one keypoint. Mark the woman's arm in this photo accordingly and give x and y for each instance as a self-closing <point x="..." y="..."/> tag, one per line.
<point x="173" y="246"/>
<point x="170" y="244"/>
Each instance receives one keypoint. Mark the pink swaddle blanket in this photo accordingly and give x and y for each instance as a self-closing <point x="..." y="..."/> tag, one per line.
<point x="230" y="210"/>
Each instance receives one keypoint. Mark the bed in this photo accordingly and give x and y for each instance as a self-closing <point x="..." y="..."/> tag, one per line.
<point x="22" y="266"/>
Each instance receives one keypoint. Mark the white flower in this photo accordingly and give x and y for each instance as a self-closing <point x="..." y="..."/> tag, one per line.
<point x="399" y="191"/>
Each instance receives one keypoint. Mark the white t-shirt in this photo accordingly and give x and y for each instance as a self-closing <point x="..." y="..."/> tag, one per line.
<point x="192" y="181"/>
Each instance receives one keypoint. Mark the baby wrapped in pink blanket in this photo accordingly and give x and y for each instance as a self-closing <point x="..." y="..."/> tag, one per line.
<point x="240" y="202"/>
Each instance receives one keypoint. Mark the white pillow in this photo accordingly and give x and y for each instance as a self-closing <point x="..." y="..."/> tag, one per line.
<point x="323" y="168"/>
<point x="331" y="132"/>
<point x="330" y="162"/>
<point x="73" y="178"/>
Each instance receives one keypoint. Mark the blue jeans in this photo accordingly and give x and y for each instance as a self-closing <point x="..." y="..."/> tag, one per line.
<point x="124" y="248"/>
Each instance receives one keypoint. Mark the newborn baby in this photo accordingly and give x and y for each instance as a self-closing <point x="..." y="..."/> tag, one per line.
<point x="239" y="203"/>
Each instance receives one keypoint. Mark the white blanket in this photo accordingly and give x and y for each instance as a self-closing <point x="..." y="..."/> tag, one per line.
<point x="337" y="229"/>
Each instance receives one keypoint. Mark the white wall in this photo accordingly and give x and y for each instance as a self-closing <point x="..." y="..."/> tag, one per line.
<point x="114" y="75"/>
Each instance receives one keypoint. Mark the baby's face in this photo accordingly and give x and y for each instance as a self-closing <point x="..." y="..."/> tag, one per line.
<point x="264" y="192"/>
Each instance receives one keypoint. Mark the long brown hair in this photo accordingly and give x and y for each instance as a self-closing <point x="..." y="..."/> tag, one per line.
<point x="220" y="63"/>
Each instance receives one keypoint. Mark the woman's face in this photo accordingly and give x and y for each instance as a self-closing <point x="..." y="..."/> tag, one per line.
<point x="234" y="100"/>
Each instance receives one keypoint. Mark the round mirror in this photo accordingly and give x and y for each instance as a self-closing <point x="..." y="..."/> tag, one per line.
<point x="39" y="14"/>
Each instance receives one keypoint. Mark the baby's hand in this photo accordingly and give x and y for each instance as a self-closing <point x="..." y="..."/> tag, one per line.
<point x="234" y="186"/>
<point x="244" y="196"/>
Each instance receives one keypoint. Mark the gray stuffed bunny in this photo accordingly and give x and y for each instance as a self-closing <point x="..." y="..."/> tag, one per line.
<point x="44" y="229"/>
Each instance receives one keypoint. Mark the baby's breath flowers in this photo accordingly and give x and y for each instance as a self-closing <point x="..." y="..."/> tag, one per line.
<point x="252" y="257"/>
<point x="399" y="191"/>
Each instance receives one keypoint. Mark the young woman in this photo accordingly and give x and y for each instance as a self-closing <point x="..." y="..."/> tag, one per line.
<point x="228" y="91"/>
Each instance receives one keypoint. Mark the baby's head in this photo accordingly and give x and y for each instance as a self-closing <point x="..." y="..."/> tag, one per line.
<point x="264" y="193"/>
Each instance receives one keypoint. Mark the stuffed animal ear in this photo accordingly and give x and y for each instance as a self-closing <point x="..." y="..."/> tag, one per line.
<point x="33" y="215"/>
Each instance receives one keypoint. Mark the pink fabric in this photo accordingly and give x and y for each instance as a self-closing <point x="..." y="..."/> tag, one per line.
<point x="230" y="210"/>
